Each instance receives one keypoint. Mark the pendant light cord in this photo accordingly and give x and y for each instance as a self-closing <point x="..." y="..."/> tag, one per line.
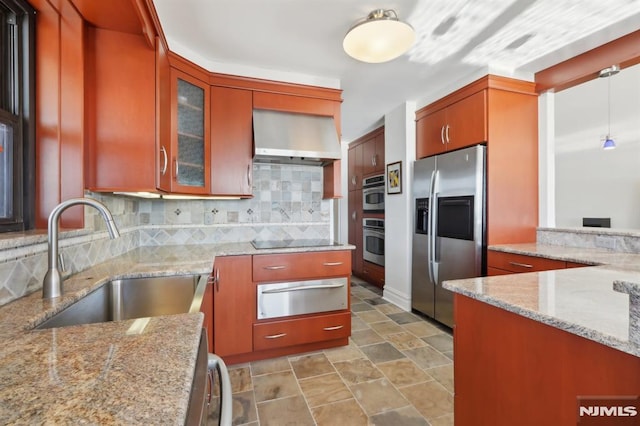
<point x="609" y="107"/>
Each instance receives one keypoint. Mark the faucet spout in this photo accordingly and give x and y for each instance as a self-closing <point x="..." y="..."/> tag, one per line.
<point x="52" y="283"/>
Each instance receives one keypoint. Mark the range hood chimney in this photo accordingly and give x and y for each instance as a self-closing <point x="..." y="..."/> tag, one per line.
<point x="291" y="138"/>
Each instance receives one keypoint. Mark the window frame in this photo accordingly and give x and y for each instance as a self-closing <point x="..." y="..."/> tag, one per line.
<point x="17" y="109"/>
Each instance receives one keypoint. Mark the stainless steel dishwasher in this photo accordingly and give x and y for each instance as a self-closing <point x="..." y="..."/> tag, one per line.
<point x="207" y="367"/>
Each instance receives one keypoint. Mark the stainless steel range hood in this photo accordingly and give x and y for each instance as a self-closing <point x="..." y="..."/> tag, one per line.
<point x="290" y="138"/>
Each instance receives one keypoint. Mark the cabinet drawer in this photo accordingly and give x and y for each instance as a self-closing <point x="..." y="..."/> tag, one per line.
<point x="521" y="263"/>
<point x="278" y="334"/>
<point x="294" y="266"/>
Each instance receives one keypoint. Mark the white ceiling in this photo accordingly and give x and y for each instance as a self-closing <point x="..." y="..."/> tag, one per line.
<point x="457" y="41"/>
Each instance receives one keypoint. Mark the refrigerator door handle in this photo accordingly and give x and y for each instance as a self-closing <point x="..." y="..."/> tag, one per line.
<point x="430" y="228"/>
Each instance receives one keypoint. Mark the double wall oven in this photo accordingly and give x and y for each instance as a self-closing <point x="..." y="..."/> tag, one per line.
<point x="373" y="226"/>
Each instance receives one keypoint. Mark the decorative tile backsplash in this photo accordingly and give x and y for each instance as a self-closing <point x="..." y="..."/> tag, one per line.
<point x="287" y="204"/>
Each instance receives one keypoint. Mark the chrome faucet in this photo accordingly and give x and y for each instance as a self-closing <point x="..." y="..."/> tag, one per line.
<point x="52" y="283"/>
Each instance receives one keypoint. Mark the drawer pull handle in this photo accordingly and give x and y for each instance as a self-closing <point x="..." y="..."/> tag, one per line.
<point x="275" y="336"/>
<point x="332" y="263"/>
<point x="523" y="265"/>
<point x="274" y="268"/>
<point x="335" y="327"/>
<point x="302" y="287"/>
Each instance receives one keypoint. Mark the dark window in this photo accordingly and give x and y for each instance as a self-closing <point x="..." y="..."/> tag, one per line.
<point x="17" y="134"/>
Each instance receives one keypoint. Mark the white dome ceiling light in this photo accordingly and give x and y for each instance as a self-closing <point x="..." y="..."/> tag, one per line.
<point x="380" y="37"/>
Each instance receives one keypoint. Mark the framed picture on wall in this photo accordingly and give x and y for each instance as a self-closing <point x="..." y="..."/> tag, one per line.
<point x="394" y="178"/>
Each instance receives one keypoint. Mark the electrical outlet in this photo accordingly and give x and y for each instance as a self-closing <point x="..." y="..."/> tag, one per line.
<point x="606" y="242"/>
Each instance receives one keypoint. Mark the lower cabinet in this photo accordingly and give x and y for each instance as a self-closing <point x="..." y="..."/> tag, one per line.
<point x="373" y="273"/>
<point x="512" y="370"/>
<point x="501" y="263"/>
<point x="278" y="334"/>
<point x="207" y="309"/>
<point x="233" y="305"/>
<point x="239" y="336"/>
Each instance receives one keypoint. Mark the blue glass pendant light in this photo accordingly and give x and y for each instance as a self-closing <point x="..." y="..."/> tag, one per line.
<point x="609" y="143"/>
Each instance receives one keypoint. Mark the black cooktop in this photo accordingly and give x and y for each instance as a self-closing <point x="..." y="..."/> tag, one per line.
<point x="271" y="244"/>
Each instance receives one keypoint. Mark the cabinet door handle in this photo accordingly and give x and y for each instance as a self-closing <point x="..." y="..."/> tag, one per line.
<point x="332" y="264"/>
<point x="335" y="327"/>
<point x="274" y="268"/>
<point x="249" y="175"/>
<point x="373" y="160"/>
<point x="353" y="215"/>
<point x="442" y="135"/>
<point x="302" y="288"/>
<point x="523" y="265"/>
<point x="163" y="170"/>
<point x="447" y="134"/>
<point x="353" y="180"/>
<point x="217" y="280"/>
<point x="275" y="336"/>
<point x="177" y="167"/>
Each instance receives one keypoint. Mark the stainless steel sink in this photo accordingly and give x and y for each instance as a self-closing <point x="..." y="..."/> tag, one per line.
<point x="134" y="298"/>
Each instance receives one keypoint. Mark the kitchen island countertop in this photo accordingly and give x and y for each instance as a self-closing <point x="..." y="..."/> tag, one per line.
<point x="107" y="373"/>
<point x="592" y="301"/>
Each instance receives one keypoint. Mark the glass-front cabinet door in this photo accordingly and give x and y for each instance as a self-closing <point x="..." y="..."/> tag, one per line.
<point x="190" y="135"/>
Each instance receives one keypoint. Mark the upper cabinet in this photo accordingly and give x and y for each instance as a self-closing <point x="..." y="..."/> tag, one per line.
<point x="189" y="152"/>
<point x="119" y="112"/>
<point x="373" y="155"/>
<point x="156" y="122"/>
<point x="460" y="124"/>
<point x="355" y="167"/>
<point x="231" y="141"/>
<point x="366" y="157"/>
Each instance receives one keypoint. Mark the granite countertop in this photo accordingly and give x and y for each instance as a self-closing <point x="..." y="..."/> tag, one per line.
<point x="592" y="302"/>
<point x="107" y="373"/>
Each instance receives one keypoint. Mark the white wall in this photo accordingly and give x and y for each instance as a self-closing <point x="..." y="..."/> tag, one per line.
<point x="400" y="145"/>
<point x="589" y="181"/>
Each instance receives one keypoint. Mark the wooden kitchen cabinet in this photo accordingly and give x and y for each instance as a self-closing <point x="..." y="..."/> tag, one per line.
<point x="189" y="154"/>
<point x="120" y="120"/>
<point x="296" y="266"/>
<point x="355" y="167"/>
<point x="242" y="337"/>
<point x="537" y="372"/>
<point x="207" y="309"/>
<point x="292" y="332"/>
<point x="231" y="141"/>
<point x="277" y="336"/>
<point x="500" y="263"/>
<point x="461" y="124"/>
<point x="366" y="158"/>
<point x="373" y="273"/>
<point x="234" y="305"/>
<point x="373" y="155"/>
<point x="355" y="230"/>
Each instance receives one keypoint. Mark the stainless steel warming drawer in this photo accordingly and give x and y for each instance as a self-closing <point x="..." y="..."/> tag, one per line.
<point x="302" y="297"/>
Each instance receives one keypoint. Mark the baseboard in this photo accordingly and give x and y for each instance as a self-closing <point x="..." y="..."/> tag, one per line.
<point x="402" y="300"/>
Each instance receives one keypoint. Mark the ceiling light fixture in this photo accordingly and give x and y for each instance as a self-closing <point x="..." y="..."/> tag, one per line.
<point x="380" y="37"/>
<point x="609" y="143"/>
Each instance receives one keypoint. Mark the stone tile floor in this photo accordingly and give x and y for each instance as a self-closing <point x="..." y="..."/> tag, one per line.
<point x="396" y="370"/>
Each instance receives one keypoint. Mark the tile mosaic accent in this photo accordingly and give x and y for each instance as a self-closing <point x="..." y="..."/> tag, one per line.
<point x="287" y="204"/>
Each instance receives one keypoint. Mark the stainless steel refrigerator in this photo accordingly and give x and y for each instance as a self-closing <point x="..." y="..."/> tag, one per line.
<point x="449" y="236"/>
